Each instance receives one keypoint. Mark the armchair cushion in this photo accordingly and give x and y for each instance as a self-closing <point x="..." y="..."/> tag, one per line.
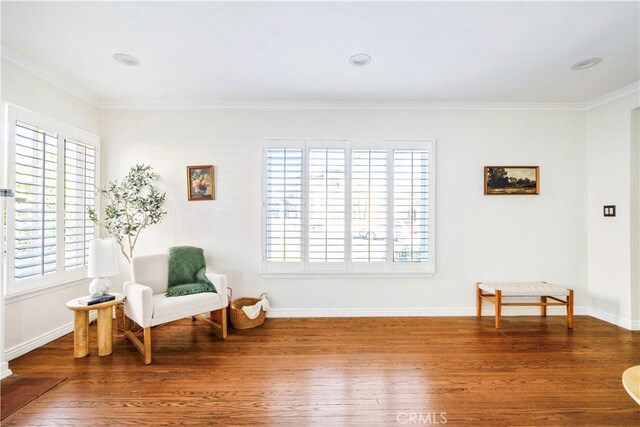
<point x="187" y="272"/>
<point x="167" y="309"/>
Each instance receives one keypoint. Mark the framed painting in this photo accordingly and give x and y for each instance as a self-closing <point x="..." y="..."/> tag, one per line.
<point x="200" y="183"/>
<point x="507" y="180"/>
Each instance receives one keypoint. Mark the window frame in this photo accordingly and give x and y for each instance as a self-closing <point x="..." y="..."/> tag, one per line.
<point x="348" y="268"/>
<point x="61" y="276"/>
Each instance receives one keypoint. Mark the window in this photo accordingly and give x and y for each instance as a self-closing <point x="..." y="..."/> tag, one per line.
<point x="348" y="206"/>
<point x="52" y="168"/>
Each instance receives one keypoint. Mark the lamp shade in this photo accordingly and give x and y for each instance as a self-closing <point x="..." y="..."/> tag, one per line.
<point x="103" y="258"/>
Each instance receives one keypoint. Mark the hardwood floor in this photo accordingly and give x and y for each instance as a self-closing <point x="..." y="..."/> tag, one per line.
<point x="333" y="372"/>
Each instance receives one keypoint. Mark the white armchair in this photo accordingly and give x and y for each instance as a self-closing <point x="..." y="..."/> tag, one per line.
<point x="147" y="305"/>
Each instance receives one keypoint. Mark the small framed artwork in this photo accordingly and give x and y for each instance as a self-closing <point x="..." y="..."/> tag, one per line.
<point x="507" y="180"/>
<point x="200" y="183"/>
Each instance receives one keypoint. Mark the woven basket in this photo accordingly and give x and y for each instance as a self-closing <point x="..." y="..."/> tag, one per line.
<point x="239" y="319"/>
<point x="120" y="321"/>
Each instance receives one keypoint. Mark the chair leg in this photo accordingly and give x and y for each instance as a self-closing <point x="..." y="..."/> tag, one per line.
<point x="143" y="348"/>
<point x="147" y="345"/>
<point x="218" y="320"/>
<point x="223" y="324"/>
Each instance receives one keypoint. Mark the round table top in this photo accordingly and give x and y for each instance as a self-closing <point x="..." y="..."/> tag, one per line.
<point x="631" y="382"/>
<point x="75" y="305"/>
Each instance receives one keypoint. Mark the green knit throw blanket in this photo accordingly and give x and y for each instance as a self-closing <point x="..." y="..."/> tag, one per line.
<point x="187" y="272"/>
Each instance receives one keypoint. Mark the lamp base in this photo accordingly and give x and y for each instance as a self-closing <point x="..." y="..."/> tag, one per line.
<point x="98" y="287"/>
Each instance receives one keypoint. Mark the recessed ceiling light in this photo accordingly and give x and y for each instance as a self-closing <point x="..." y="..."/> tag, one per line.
<point x="125" y="59"/>
<point x="359" y="59"/>
<point x="586" y="63"/>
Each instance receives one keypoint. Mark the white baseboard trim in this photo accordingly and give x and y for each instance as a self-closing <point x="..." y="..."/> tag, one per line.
<point x="410" y="312"/>
<point x="39" y="341"/>
<point x="5" y="371"/>
<point x="615" y="319"/>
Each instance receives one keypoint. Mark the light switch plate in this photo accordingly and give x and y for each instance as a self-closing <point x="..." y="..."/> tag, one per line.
<point x="609" y="210"/>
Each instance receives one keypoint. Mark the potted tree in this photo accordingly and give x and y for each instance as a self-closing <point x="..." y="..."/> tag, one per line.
<point x="133" y="204"/>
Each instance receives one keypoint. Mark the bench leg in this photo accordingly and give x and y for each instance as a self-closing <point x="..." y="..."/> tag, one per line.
<point x="570" y="309"/>
<point x="478" y="301"/>
<point x="498" y="299"/>
<point x="543" y="307"/>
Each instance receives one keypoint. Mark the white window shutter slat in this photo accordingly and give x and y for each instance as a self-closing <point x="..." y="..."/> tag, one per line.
<point x="284" y="204"/>
<point x="411" y="205"/>
<point x="368" y="205"/>
<point x="36" y="206"/>
<point x="326" y="205"/>
<point x="79" y="195"/>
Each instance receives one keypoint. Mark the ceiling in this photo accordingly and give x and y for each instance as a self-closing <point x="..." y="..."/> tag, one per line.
<point x="503" y="52"/>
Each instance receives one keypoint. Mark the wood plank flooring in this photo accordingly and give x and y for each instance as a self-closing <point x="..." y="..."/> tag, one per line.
<point x="335" y="372"/>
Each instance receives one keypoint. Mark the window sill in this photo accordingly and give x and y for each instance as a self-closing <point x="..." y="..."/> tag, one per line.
<point x="341" y="275"/>
<point x="31" y="293"/>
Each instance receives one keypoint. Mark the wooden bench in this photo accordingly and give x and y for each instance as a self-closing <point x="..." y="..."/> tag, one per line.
<point x="495" y="292"/>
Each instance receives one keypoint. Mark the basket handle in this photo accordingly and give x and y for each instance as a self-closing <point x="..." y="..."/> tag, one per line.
<point x="230" y="293"/>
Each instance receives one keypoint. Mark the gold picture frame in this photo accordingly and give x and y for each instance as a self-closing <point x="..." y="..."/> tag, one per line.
<point x="200" y="183"/>
<point x="511" y="180"/>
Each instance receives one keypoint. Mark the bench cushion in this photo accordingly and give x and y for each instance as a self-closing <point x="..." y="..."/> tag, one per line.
<point x="525" y="289"/>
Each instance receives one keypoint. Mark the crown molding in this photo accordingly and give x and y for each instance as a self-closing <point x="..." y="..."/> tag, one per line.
<point x="612" y="96"/>
<point x="49" y="77"/>
<point x="187" y="104"/>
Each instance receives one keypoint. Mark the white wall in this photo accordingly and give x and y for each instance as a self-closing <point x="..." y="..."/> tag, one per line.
<point x="612" y="258"/>
<point x="478" y="237"/>
<point x="35" y="319"/>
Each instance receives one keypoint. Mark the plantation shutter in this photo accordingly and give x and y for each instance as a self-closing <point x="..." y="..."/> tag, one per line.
<point x="283" y="203"/>
<point x="326" y="204"/>
<point x="411" y="205"/>
<point x="348" y="207"/>
<point x="36" y="169"/>
<point x="79" y="194"/>
<point x="369" y="205"/>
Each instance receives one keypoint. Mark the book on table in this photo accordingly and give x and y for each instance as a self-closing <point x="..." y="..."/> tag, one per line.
<point x="96" y="300"/>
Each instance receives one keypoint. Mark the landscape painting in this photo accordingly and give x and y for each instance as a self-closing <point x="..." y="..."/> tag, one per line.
<point x="507" y="180"/>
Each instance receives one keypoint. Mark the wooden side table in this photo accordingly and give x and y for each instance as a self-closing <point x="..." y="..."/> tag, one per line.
<point x="81" y="325"/>
<point x="631" y="382"/>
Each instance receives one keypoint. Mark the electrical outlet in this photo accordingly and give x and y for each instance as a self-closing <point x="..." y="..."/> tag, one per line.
<point x="609" y="210"/>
